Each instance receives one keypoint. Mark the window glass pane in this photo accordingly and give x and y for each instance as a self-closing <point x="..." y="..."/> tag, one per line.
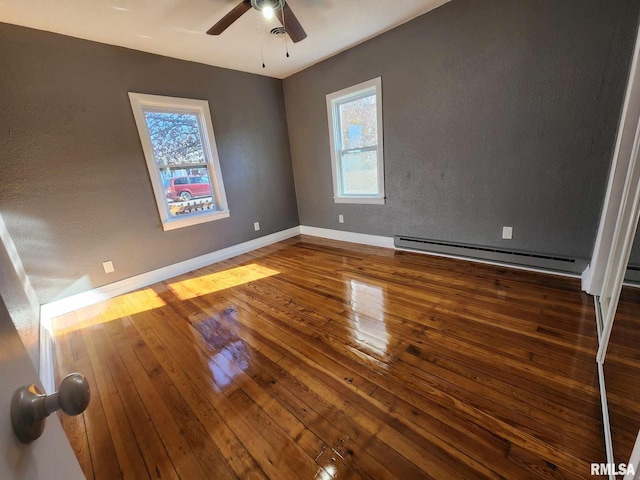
<point x="175" y="138"/>
<point x="187" y="190"/>
<point x="359" y="123"/>
<point x="359" y="172"/>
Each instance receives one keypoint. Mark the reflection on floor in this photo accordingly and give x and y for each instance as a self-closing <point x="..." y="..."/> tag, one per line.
<point x="622" y="374"/>
<point x="318" y="359"/>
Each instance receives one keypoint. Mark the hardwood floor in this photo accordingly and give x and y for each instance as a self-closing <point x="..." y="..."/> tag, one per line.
<point x="319" y="359"/>
<point x="622" y="370"/>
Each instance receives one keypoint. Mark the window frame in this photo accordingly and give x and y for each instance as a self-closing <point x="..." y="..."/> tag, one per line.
<point x="141" y="102"/>
<point x="334" y="100"/>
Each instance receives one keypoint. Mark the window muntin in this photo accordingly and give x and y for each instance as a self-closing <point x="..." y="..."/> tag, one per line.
<point x="355" y="127"/>
<point x="179" y="146"/>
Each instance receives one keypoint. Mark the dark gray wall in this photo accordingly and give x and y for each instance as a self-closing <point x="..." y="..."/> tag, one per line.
<point x="500" y="112"/>
<point x="74" y="186"/>
<point x="19" y="297"/>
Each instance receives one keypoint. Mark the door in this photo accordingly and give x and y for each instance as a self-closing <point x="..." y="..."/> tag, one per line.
<point x="50" y="457"/>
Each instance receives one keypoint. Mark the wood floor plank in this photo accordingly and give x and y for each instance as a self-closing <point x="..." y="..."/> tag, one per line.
<point x="153" y="451"/>
<point x="318" y="359"/>
<point x="301" y="327"/>
<point x="128" y="452"/>
<point x="230" y="371"/>
<point x="621" y="369"/>
<point x="169" y="431"/>
<point x="345" y="394"/>
<point x="103" y="454"/>
<point x="73" y="426"/>
<point x="204" y="448"/>
<point x="235" y="452"/>
<point x="273" y="462"/>
<point x="334" y="413"/>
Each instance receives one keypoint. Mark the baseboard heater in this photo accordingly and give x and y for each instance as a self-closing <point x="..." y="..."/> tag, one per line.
<point x="632" y="274"/>
<point x="501" y="255"/>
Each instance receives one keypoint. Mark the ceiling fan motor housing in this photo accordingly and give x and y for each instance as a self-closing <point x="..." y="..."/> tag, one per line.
<point x="260" y="4"/>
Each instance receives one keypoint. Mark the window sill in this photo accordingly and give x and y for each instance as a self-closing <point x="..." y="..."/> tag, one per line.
<point x="194" y="220"/>
<point x="361" y="200"/>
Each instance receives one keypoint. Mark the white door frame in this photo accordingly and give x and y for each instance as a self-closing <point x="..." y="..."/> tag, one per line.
<point x="593" y="276"/>
<point x="603" y="278"/>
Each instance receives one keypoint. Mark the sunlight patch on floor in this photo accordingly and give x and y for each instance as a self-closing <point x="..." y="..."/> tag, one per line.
<point x="215" y="282"/>
<point x="112" y="309"/>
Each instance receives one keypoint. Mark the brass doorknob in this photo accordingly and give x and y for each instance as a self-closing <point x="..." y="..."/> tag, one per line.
<point x="30" y="407"/>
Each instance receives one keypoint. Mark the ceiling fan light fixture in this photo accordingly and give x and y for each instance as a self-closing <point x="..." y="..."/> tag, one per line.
<point x="267" y="7"/>
<point x="268" y="12"/>
<point x="279" y="8"/>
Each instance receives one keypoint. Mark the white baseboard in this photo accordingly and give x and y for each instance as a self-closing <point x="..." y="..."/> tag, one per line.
<point x="47" y="365"/>
<point x="91" y="297"/>
<point x="96" y="295"/>
<point x="363" y="238"/>
<point x="388" y="242"/>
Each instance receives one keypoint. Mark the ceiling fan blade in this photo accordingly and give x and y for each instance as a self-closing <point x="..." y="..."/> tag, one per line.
<point x="291" y="24"/>
<point x="226" y="21"/>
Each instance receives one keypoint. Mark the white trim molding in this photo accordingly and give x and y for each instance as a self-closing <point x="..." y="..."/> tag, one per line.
<point x="96" y="295"/>
<point x="91" y="297"/>
<point x="351" y="237"/>
<point x="606" y="426"/>
<point x="388" y="242"/>
<point x="593" y="278"/>
<point x="140" y="105"/>
<point x="46" y="368"/>
<point x="65" y="305"/>
<point x="360" y="200"/>
<point x="334" y="101"/>
<point x="634" y="459"/>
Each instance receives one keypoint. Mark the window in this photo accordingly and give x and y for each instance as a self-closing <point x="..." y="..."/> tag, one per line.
<point x="180" y="149"/>
<point x="355" y="133"/>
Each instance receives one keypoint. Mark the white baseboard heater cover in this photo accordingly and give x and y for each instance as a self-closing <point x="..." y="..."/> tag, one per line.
<point x="494" y="254"/>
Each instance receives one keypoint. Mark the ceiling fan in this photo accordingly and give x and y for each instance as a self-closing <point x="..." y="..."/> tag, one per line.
<point x="269" y="8"/>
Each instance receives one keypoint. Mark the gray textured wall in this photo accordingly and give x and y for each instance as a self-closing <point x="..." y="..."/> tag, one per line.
<point x="74" y="187"/>
<point x="500" y="112"/>
<point x="18" y="296"/>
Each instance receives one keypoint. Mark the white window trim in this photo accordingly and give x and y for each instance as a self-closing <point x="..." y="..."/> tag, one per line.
<point x="374" y="85"/>
<point x="139" y="101"/>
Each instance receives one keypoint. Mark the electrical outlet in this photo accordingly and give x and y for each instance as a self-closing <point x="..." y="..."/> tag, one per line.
<point x="256" y="226"/>
<point x="341" y="218"/>
<point x="108" y="267"/>
<point x="507" y="233"/>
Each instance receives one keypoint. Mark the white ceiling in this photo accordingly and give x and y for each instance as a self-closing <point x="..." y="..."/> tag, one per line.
<point x="176" y="28"/>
